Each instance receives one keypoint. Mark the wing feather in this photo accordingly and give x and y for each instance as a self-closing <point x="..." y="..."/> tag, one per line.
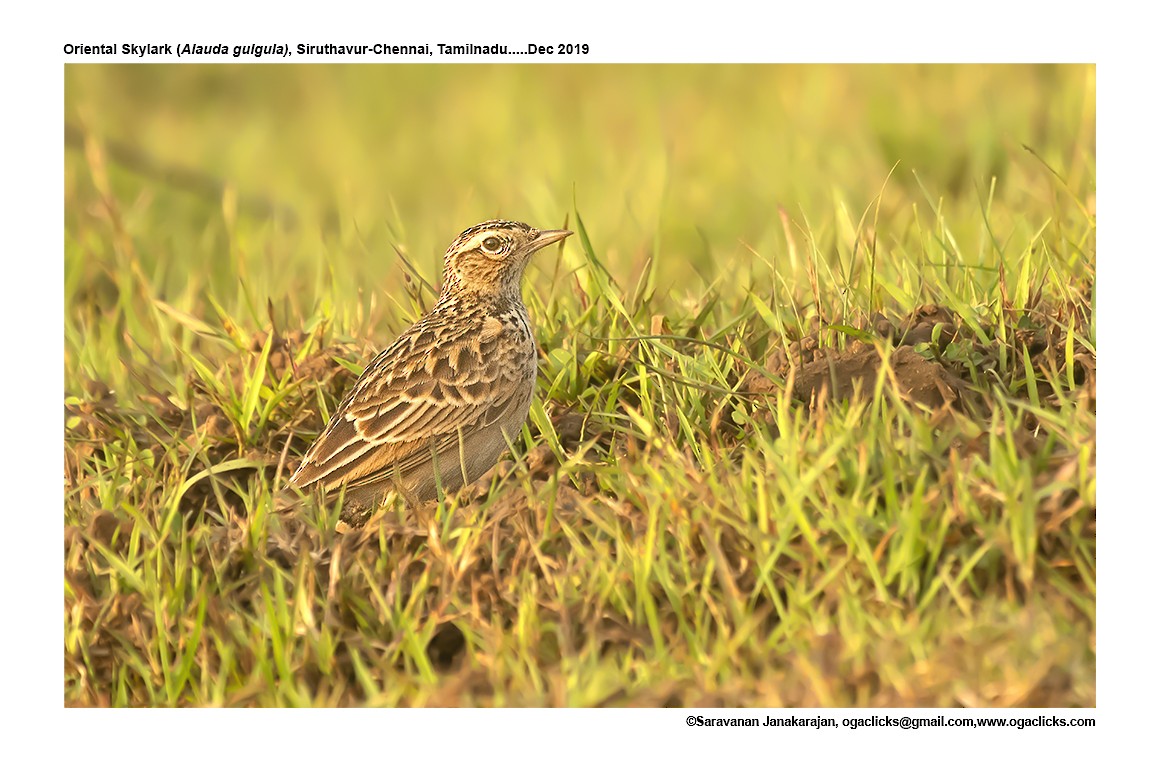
<point x="440" y="378"/>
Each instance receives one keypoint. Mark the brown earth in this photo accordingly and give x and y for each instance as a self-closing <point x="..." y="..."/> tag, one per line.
<point x="922" y="376"/>
<point x="844" y="374"/>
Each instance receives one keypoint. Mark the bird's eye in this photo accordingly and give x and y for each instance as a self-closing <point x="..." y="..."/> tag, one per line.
<point x="492" y="244"/>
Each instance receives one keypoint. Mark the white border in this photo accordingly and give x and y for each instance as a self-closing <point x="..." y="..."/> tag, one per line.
<point x="987" y="31"/>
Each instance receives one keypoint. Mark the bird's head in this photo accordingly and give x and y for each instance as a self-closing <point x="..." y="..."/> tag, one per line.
<point x="489" y="258"/>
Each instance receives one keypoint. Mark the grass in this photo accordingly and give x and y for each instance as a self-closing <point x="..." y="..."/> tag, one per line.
<point x="815" y="423"/>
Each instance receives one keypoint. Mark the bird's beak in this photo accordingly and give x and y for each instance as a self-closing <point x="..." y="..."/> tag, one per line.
<point x="548" y="237"/>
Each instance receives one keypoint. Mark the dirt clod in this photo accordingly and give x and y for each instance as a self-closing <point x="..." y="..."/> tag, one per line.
<point x="446" y="645"/>
<point x="845" y="373"/>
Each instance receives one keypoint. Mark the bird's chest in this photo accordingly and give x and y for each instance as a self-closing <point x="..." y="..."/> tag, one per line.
<point x="508" y="336"/>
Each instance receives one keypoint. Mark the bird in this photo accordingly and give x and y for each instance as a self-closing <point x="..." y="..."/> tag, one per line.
<point x="436" y="408"/>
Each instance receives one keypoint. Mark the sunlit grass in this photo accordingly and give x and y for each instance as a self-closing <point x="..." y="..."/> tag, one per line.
<point x="683" y="521"/>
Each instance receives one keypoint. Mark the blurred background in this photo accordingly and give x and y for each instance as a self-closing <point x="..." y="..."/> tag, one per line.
<point x="337" y="165"/>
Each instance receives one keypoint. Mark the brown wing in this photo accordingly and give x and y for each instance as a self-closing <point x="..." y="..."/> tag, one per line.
<point x="440" y="379"/>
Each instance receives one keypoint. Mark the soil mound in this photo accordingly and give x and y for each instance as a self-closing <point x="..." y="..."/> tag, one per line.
<point x="843" y="374"/>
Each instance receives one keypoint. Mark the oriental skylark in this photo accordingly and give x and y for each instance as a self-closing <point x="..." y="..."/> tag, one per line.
<point x="437" y="407"/>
